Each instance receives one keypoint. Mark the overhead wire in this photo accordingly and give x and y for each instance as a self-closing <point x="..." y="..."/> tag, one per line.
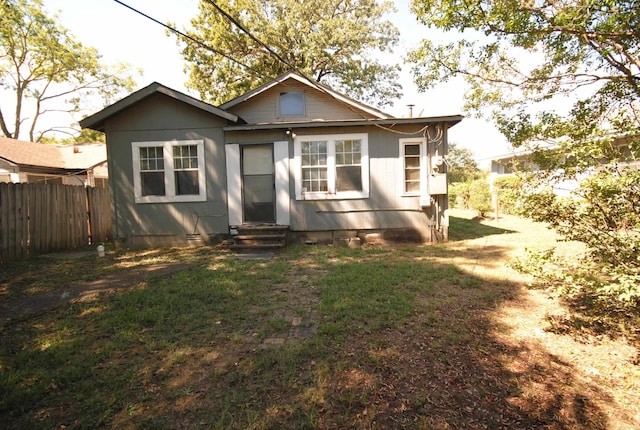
<point x="183" y="35"/>
<point x="320" y="87"/>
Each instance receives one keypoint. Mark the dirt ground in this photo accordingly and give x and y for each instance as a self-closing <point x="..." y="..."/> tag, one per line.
<point x="41" y="302"/>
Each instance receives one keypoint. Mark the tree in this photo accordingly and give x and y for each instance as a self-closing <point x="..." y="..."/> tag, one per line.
<point x="42" y="65"/>
<point x="461" y="167"/>
<point x="563" y="75"/>
<point x="335" y="42"/>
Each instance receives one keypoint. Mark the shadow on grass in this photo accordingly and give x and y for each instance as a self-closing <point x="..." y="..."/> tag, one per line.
<point x="591" y="317"/>
<point x="403" y="341"/>
<point x="465" y="228"/>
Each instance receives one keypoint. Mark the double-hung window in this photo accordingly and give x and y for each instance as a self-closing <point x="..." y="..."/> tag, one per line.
<point x="412" y="159"/>
<point x="331" y="166"/>
<point x="171" y="171"/>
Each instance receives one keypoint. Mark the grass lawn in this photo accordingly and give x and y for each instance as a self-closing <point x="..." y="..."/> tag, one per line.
<point x="416" y="337"/>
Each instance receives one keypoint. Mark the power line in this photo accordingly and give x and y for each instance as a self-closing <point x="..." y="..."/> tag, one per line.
<point x="295" y="69"/>
<point x="270" y="51"/>
<point x="181" y="34"/>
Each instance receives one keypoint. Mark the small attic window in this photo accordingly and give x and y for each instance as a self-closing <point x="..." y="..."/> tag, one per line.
<point x="292" y="104"/>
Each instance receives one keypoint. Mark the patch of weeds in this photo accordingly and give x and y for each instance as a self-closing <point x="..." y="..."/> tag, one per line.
<point x="278" y="325"/>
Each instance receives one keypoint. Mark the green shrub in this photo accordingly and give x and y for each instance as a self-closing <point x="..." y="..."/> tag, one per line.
<point x="459" y="195"/>
<point x="480" y="196"/>
<point x="508" y="189"/>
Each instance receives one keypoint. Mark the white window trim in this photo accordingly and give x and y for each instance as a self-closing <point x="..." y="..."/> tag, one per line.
<point x="332" y="194"/>
<point x="169" y="177"/>
<point x="423" y="165"/>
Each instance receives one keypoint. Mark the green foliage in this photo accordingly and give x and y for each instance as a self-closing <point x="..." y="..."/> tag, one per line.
<point x="461" y="167"/>
<point x="41" y="63"/>
<point x="560" y="78"/>
<point x="604" y="214"/>
<point x="86" y="136"/>
<point x="528" y="57"/>
<point x="508" y="190"/>
<point x="480" y="196"/>
<point x="581" y="278"/>
<point x="331" y="41"/>
<point x="459" y="195"/>
<point x="528" y="52"/>
<point x="473" y="194"/>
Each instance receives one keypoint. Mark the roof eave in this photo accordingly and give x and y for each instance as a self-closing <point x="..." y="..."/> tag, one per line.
<point x="450" y="119"/>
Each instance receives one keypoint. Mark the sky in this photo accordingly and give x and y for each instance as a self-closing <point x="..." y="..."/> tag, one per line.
<point x="121" y="35"/>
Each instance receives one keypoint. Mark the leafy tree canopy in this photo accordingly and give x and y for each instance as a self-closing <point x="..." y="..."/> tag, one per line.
<point x="461" y="167"/>
<point x="332" y="41"/>
<point x="42" y="65"/>
<point x="521" y="57"/>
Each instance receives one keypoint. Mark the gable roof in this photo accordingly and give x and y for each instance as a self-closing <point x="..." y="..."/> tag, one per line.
<point x="312" y="84"/>
<point x="71" y="157"/>
<point x="96" y="121"/>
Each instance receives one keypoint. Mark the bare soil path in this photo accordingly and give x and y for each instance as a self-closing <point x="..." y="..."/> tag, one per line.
<point x="37" y="303"/>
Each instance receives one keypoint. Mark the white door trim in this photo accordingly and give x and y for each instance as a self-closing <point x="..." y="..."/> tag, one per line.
<point x="281" y="161"/>
<point x="234" y="184"/>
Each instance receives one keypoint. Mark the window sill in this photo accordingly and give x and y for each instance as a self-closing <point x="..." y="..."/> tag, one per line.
<point x="173" y="199"/>
<point x="338" y="196"/>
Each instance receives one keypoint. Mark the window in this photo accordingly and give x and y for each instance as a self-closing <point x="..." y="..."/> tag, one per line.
<point x="168" y="171"/>
<point x="152" y="171"/>
<point x="331" y="167"/>
<point x="413" y="166"/>
<point x="348" y="168"/>
<point x="292" y="104"/>
<point x="185" y="166"/>
<point x="314" y="166"/>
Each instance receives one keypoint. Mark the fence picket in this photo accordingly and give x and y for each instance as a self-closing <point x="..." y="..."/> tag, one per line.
<point x="40" y="218"/>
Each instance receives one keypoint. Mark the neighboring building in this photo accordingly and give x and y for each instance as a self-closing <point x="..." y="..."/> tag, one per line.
<point x="22" y="161"/>
<point x="522" y="161"/>
<point x="292" y="153"/>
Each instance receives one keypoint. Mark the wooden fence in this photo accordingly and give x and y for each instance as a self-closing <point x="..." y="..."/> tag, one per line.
<point x="42" y="218"/>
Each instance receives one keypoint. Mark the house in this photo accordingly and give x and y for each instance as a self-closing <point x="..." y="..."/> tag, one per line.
<point x="22" y="161"/>
<point x="291" y="153"/>
<point x="523" y="160"/>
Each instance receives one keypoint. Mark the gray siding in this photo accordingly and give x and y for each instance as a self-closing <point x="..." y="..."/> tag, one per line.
<point x="160" y="118"/>
<point x="264" y="107"/>
<point x="386" y="207"/>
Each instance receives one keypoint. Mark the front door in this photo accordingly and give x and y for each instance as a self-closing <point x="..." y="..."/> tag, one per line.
<point x="258" y="184"/>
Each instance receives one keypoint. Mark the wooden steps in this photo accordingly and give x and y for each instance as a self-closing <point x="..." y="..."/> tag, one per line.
<point x="258" y="237"/>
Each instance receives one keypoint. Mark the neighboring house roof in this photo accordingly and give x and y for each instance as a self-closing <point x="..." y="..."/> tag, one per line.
<point x="312" y="84"/>
<point x="25" y="153"/>
<point x="69" y="157"/>
<point x="83" y="156"/>
<point x="96" y="121"/>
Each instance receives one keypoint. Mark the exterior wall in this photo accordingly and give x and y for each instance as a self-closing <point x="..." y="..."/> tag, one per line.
<point x="8" y="172"/>
<point x="161" y="118"/>
<point x="264" y="107"/>
<point x="386" y="209"/>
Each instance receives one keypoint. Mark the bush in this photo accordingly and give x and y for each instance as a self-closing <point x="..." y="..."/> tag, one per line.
<point x="459" y="195"/>
<point x="480" y="196"/>
<point x="604" y="214"/>
<point x="508" y="189"/>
